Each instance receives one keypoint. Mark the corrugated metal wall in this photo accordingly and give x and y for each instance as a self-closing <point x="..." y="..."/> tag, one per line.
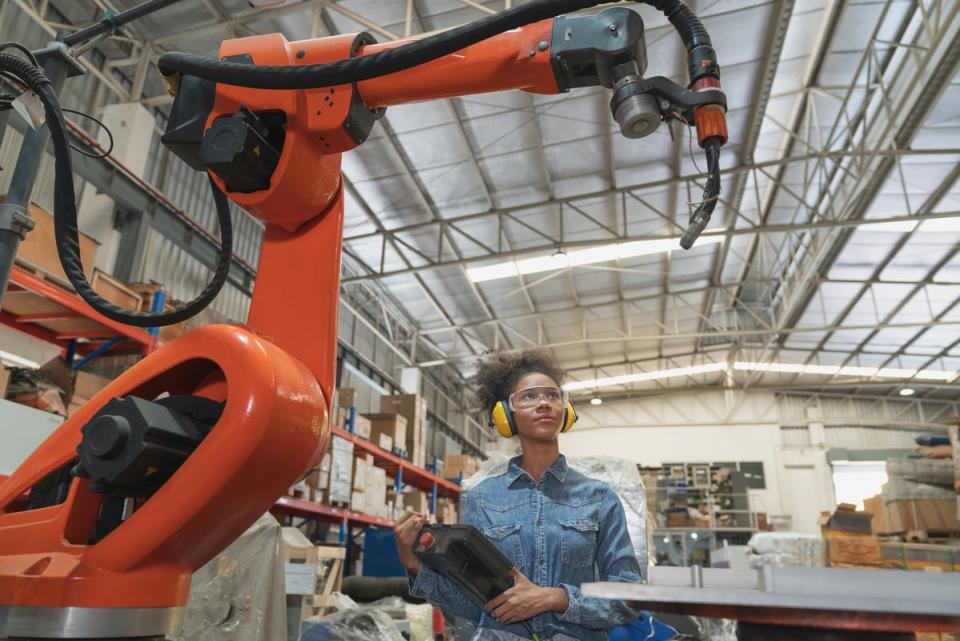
<point x="857" y="423"/>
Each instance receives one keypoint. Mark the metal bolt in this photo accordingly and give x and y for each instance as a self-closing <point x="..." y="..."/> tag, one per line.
<point x="543" y="45"/>
<point x="301" y="53"/>
<point x="531" y="53"/>
<point x="613" y="29"/>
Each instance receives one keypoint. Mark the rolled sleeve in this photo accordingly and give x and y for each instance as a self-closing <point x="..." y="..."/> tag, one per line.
<point x="574" y="600"/>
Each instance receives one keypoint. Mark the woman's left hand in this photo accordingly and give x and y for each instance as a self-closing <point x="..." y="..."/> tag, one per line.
<point x="525" y="600"/>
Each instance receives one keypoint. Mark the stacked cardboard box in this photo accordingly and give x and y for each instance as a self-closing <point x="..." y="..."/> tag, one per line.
<point x="341" y="471"/>
<point x="363" y="470"/>
<point x="416" y="500"/>
<point x="455" y="464"/>
<point x="376" y="492"/>
<point x="77" y="387"/>
<point x="319" y="480"/>
<point x="413" y="408"/>
<point x="390" y="426"/>
<point x="347" y="417"/>
<point x="446" y="511"/>
<point x="848" y="538"/>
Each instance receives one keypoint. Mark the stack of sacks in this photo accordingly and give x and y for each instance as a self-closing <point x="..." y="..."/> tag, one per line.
<point x="785" y="549"/>
<point x="928" y="478"/>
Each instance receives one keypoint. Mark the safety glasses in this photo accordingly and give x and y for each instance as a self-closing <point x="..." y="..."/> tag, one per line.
<point x="532" y="396"/>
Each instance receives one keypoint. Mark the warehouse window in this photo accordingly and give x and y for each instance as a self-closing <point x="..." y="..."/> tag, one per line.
<point x="854" y="481"/>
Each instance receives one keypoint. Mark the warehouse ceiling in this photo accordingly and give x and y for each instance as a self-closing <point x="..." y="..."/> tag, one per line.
<point x="833" y="262"/>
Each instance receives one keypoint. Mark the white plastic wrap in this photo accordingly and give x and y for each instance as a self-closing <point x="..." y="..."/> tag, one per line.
<point x="717" y="629"/>
<point x="619" y="474"/>
<point x="239" y="595"/>
<point x="929" y="471"/>
<point x="785" y="549"/>
<point x="370" y="621"/>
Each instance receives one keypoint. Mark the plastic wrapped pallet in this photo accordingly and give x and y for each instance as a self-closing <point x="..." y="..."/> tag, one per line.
<point x="785" y="549"/>
<point x="928" y="471"/>
<point x="619" y="474"/>
<point x="897" y="489"/>
<point x="239" y="595"/>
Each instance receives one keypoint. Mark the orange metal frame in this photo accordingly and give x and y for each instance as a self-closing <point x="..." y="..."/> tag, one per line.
<point x="276" y="375"/>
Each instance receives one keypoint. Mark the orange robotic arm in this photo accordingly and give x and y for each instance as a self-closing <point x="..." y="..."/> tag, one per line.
<point x="173" y="460"/>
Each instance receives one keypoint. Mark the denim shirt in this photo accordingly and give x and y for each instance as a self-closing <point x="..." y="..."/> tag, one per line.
<point x="566" y="530"/>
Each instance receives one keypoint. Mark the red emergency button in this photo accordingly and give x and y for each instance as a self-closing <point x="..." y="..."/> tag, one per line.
<point x="427" y="540"/>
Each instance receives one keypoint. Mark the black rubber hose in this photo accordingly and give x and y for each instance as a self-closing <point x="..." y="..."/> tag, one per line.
<point x="701" y="57"/>
<point x="367" y="67"/>
<point x="711" y="194"/>
<point x="65" y="215"/>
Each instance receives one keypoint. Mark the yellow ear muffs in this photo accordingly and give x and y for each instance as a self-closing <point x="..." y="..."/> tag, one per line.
<point x="569" y="417"/>
<point x="502" y="418"/>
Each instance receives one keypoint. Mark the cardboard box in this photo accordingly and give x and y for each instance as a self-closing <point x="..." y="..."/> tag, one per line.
<point x="39" y="249"/>
<point x="86" y="386"/>
<point x="341" y="470"/>
<point x="878" y="520"/>
<point x="413" y="408"/>
<point x="416" y="500"/>
<point x="376" y="499"/>
<point x="844" y="521"/>
<point x="360" y="467"/>
<point x="340" y="418"/>
<point x="346" y="397"/>
<point x="385" y="442"/>
<point x="4" y="381"/>
<point x="857" y="551"/>
<point x="48" y="400"/>
<point x="361" y="426"/>
<point x="446" y="511"/>
<point x="358" y="502"/>
<point x="393" y="425"/>
<point x="931" y="515"/>
<point x="456" y="464"/>
<point x="319" y="478"/>
<point x="77" y="387"/>
<point x="115" y="291"/>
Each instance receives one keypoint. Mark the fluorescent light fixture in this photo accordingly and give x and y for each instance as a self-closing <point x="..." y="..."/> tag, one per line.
<point x="933" y="225"/>
<point x="941" y="225"/>
<point x="626" y="379"/>
<point x="893" y="227"/>
<point x="596" y="400"/>
<point x="849" y="370"/>
<point x="19" y="361"/>
<point x="907" y="391"/>
<point x="578" y="257"/>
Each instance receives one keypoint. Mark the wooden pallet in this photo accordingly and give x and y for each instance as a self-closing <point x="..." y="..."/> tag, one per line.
<point x="329" y="578"/>
<point x="931" y="536"/>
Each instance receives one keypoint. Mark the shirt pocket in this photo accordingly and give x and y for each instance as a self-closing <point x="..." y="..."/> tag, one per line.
<point x="506" y="538"/>
<point x="578" y="542"/>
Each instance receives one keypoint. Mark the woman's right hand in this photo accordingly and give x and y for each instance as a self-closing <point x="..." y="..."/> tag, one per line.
<point x="405" y="532"/>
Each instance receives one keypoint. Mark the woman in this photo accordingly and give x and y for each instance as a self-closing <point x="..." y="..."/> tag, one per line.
<point x="560" y="528"/>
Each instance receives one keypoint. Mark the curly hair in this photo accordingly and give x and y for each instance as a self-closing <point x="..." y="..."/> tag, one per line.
<point x="497" y="375"/>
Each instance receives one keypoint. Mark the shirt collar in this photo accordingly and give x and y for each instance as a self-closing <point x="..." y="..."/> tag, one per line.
<point x="558" y="470"/>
